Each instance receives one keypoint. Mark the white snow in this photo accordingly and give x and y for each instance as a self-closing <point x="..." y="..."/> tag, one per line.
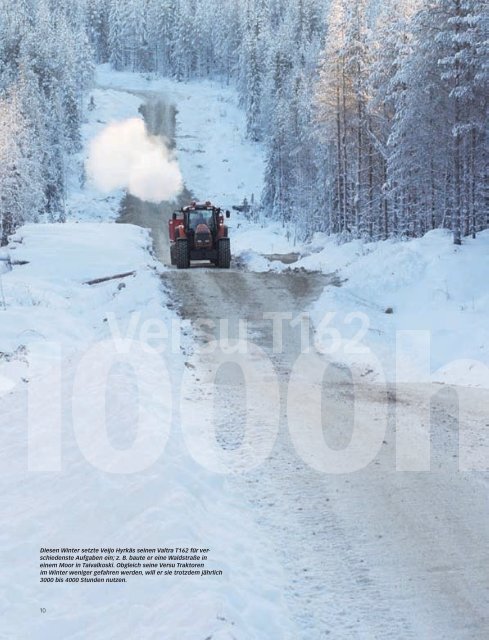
<point x="47" y="299"/>
<point x="266" y="237"/>
<point x="429" y="284"/>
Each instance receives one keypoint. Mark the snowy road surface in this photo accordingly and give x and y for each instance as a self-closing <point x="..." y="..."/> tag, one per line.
<point x="378" y="553"/>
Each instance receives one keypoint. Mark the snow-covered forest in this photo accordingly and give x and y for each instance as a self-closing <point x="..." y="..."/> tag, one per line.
<point x="373" y="113"/>
<point x="46" y="65"/>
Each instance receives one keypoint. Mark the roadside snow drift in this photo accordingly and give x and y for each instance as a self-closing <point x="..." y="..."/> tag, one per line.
<point x="425" y="285"/>
<point x="45" y="293"/>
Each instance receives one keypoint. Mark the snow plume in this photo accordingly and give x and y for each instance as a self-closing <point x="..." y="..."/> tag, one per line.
<point x="125" y="156"/>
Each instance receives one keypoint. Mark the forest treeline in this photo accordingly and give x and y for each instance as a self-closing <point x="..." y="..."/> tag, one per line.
<point x="46" y="66"/>
<point x="373" y="113"/>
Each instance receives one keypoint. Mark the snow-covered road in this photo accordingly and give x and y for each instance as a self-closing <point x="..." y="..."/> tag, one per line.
<point x="378" y="553"/>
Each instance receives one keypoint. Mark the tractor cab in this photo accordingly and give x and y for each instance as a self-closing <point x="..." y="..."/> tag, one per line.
<point x="199" y="217"/>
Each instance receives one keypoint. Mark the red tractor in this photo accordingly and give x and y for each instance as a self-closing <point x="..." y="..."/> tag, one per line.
<point x="198" y="232"/>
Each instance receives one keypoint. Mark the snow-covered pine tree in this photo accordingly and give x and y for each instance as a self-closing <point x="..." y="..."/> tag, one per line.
<point x="21" y="189"/>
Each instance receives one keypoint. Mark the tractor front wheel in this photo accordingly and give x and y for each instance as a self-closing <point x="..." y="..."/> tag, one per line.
<point x="182" y="254"/>
<point x="224" y="253"/>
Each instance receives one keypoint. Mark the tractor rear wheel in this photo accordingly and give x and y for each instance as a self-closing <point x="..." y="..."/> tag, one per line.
<point x="224" y="253"/>
<point x="182" y="254"/>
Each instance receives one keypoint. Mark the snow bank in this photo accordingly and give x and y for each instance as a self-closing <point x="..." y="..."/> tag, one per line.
<point x="426" y="284"/>
<point x="45" y="293"/>
<point x="255" y="243"/>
